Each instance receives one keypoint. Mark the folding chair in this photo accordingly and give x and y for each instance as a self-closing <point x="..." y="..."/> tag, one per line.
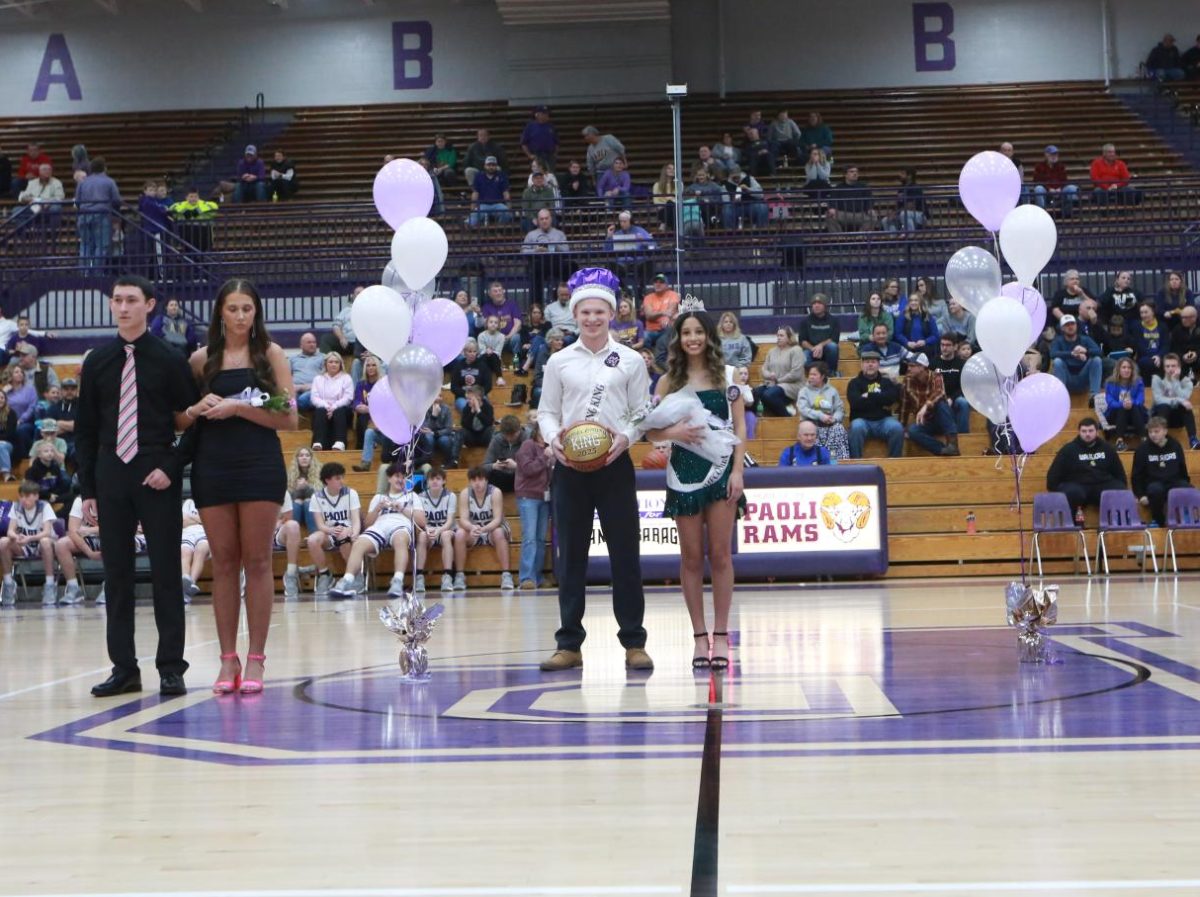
<point x="1119" y="513"/>
<point x="1183" y="513"/>
<point x="1052" y="514"/>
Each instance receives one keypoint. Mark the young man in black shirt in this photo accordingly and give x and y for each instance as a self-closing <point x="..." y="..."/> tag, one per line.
<point x="1159" y="465"/>
<point x="1085" y="467"/>
<point x="136" y="389"/>
<point x="950" y="366"/>
<point x="819" y="333"/>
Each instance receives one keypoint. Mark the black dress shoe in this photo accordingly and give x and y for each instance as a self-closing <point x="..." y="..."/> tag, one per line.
<point x="118" y="684"/>
<point x="172" y="684"/>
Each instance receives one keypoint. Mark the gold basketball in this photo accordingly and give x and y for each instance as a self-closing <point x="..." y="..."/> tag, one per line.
<point x="586" y="445"/>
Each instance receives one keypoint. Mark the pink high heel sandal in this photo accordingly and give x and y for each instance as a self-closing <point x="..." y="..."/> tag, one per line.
<point x="253" y="686"/>
<point x="225" y="686"/>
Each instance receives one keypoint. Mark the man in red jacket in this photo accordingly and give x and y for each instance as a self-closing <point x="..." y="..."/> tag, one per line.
<point x="1110" y="179"/>
<point x="27" y="170"/>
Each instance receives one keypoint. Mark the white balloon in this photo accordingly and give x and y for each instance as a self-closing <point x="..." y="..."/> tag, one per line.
<point x="1028" y="237"/>
<point x="973" y="277"/>
<point x="1002" y="328"/>
<point x="419" y="250"/>
<point x="382" y="320"/>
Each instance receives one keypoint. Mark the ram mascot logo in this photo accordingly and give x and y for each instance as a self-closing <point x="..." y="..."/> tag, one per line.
<point x="845" y="516"/>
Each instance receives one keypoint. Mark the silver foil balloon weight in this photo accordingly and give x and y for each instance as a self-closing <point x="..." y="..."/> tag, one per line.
<point x="1030" y="611"/>
<point x="413" y="625"/>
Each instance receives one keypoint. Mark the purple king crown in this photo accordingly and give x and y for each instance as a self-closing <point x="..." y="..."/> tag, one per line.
<point x="594" y="277"/>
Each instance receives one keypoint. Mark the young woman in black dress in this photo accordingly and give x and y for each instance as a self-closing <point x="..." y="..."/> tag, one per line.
<point x="238" y="475"/>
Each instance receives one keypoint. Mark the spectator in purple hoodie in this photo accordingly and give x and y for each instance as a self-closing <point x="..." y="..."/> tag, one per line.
<point x="251" y="177"/>
<point x="614" y="185"/>
<point x="145" y="246"/>
<point x="509" y="313"/>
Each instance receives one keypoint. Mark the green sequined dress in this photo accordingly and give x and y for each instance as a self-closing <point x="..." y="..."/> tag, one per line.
<point x="691" y="468"/>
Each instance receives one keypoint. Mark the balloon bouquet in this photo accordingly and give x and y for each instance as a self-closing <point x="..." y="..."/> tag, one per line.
<point x="1009" y="317"/>
<point x="399" y="321"/>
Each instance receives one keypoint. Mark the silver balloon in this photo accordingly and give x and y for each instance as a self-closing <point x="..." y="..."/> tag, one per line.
<point x="391" y="278"/>
<point x="413" y="625"/>
<point x="973" y="277"/>
<point x="985" y="388"/>
<point x="415" y="375"/>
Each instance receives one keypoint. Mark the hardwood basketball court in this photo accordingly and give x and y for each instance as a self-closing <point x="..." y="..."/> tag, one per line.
<point x="870" y="739"/>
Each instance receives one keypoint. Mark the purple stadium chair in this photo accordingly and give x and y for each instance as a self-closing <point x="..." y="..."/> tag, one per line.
<point x="1183" y="513"/>
<point x="1119" y="513"/>
<point x="1052" y="514"/>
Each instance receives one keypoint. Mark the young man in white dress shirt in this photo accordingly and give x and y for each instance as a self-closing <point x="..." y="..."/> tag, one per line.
<point x="595" y="379"/>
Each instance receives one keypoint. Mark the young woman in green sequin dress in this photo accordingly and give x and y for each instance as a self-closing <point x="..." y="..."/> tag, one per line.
<point x="706" y="497"/>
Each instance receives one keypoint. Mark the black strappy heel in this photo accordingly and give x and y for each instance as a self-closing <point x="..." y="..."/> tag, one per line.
<point x="719" y="662"/>
<point x="700" y="663"/>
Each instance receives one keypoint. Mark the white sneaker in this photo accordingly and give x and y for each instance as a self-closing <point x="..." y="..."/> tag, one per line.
<point x="506" y="581"/>
<point x="419" y="585"/>
<point x="317" y="447"/>
<point x="396" y="586"/>
<point x="360" y="584"/>
<point x="344" y="588"/>
<point x="460" y="581"/>
<point x="49" y="594"/>
<point x="324" y="580"/>
<point x="8" y="592"/>
<point x="73" y="594"/>
<point x="339" y="446"/>
<point x="100" y="599"/>
<point x="291" y="586"/>
<point x="447" y="582"/>
<point x="189" y="588"/>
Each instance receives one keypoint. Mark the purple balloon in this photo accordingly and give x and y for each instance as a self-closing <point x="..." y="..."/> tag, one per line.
<point x="403" y="190"/>
<point x="386" y="413"/>
<point x="441" y="327"/>
<point x="1038" y="409"/>
<point x="1034" y="304"/>
<point x="990" y="186"/>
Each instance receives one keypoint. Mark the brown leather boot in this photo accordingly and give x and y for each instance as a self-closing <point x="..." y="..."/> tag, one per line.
<point x="638" y="659"/>
<point x="561" y="660"/>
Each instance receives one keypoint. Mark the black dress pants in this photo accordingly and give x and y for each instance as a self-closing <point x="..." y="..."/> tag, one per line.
<point x="122" y="501"/>
<point x="575" y="498"/>
<point x="1157" y="492"/>
<point x="1080" y="494"/>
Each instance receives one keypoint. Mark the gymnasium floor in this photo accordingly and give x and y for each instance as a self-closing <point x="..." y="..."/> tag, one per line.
<point x="870" y="739"/>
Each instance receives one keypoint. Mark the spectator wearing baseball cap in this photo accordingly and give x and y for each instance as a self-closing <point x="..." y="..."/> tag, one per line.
<point x="489" y="195"/>
<point x="659" y="308"/>
<point x="251" y="177"/>
<point x="925" y="409"/>
<point x="1050" y="184"/>
<point x="1075" y="358"/>
<point x="539" y="140"/>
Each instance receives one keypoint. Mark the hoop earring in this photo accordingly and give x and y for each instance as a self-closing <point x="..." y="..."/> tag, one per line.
<point x="222" y="330"/>
<point x="253" y="331"/>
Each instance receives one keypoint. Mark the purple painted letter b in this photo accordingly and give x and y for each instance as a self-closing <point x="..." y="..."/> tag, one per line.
<point x="412" y="64"/>
<point x="927" y="34"/>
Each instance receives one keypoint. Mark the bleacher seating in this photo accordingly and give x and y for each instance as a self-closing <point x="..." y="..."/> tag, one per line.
<point x="136" y="145"/>
<point x="928" y="498"/>
<point x="337" y="151"/>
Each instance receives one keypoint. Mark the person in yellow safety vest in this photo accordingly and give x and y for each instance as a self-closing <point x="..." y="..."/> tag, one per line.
<point x="193" y="219"/>
<point x="193" y="208"/>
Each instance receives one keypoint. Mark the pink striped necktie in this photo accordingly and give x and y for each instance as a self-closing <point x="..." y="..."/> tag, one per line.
<point x="127" y="435"/>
